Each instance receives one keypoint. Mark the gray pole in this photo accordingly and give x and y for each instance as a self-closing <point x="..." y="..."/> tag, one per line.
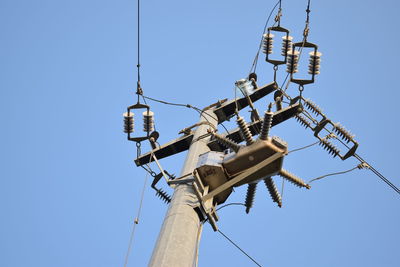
<point x="179" y="236"/>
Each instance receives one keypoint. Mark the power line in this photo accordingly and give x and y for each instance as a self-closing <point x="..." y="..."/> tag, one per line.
<point x="233" y="243"/>
<point x="187" y="106"/>
<point x="377" y="173"/>
<point x="262" y="37"/>
<point x="231" y="204"/>
<point x="304" y="147"/>
<point x="332" y="174"/>
<point x="128" y="252"/>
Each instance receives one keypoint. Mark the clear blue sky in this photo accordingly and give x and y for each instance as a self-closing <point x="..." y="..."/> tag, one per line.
<point x="69" y="189"/>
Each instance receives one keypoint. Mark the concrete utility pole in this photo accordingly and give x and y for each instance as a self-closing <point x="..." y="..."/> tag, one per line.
<point x="180" y="233"/>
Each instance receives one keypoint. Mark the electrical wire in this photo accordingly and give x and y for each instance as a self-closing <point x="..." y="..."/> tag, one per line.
<point x="138" y="40"/>
<point x="233" y="243"/>
<point x="128" y="252"/>
<point x="231" y="204"/>
<point x="262" y="37"/>
<point x="377" y="173"/>
<point x="187" y="106"/>
<point x="196" y="259"/>
<point x="332" y="174"/>
<point x="304" y="147"/>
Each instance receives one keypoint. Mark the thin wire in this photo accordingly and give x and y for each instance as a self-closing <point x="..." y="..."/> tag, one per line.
<point x="282" y="189"/>
<point x="138" y="40"/>
<point x="196" y="263"/>
<point x="331" y="174"/>
<point x="231" y="204"/>
<point x="377" y="173"/>
<point x="187" y="106"/>
<point x="262" y="37"/>
<point x="304" y="147"/>
<point x="233" y="243"/>
<point x="135" y="222"/>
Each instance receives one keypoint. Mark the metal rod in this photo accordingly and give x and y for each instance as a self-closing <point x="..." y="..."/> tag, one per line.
<point x="180" y="233"/>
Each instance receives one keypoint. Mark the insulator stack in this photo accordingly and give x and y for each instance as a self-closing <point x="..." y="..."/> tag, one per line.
<point x="313" y="107"/>
<point x="251" y="192"/>
<point x="328" y="146"/>
<point x="293" y="178"/>
<point x="163" y="196"/>
<point x="303" y="121"/>
<point x="315" y="62"/>
<point x="286" y="45"/>
<point x="342" y="132"/>
<point x="128" y="122"/>
<point x="244" y="129"/>
<point x="273" y="191"/>
<point x="228" y="143"/>
<point x="292" y="61"/>
<point x="148" y="121"/>
<point x="266" y="126"/>
<point x="268" y="43"/>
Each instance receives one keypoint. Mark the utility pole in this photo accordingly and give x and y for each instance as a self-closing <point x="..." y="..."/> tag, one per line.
<point x="177" y="243"/>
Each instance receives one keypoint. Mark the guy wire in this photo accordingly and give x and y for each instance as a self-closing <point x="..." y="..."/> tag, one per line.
<point x="233" y="243"/>
<point x="135" y="222"/>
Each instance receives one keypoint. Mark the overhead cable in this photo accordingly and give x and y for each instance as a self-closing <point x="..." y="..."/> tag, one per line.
<point x="233" y="243"/>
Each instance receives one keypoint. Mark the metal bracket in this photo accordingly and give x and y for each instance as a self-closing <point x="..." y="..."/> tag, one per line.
<point x="140" y="138"/>
<point x="242" y="176"/>
<point x="206" y="206"/>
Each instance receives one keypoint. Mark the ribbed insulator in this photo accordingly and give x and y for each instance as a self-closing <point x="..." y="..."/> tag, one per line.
<point x="273" y="191"/>
<point x="163" y="196"/>
<point x="292" y="61"/>
<point x="342" y="132"/>
<point x="315" y="63"/>
<point x="293" y="178"/>
<point x="228" y="143"/>
<point x="313" y="107"/>
<point x="303" y="121"/>
<point x="251" y="192"/>
<point x="266" y="126"/>
<point x="268" y="43"/>
<point x="286" y="44"/>
<point x="328" y="146"/>
<point x="148" y="121"/>
<point x="128" y="122"/>
<point x="244" y="129"/>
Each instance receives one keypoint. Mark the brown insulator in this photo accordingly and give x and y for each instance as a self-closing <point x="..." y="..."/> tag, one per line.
<point x="273" y="191"/>
<point x="293" y="178"/>
<point x="266" y="126"/>
<point x="128" y="122"/>
<point x="228" y="143"/>
<point x="163" y="196"/>
<point x="245" y="130"/>
<point x="303" y="121"/>
<point x="251" y="192"/>
<point x="328" y="146"/>
<point x="342" y="132"/>
<point x="313" y="107"/>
